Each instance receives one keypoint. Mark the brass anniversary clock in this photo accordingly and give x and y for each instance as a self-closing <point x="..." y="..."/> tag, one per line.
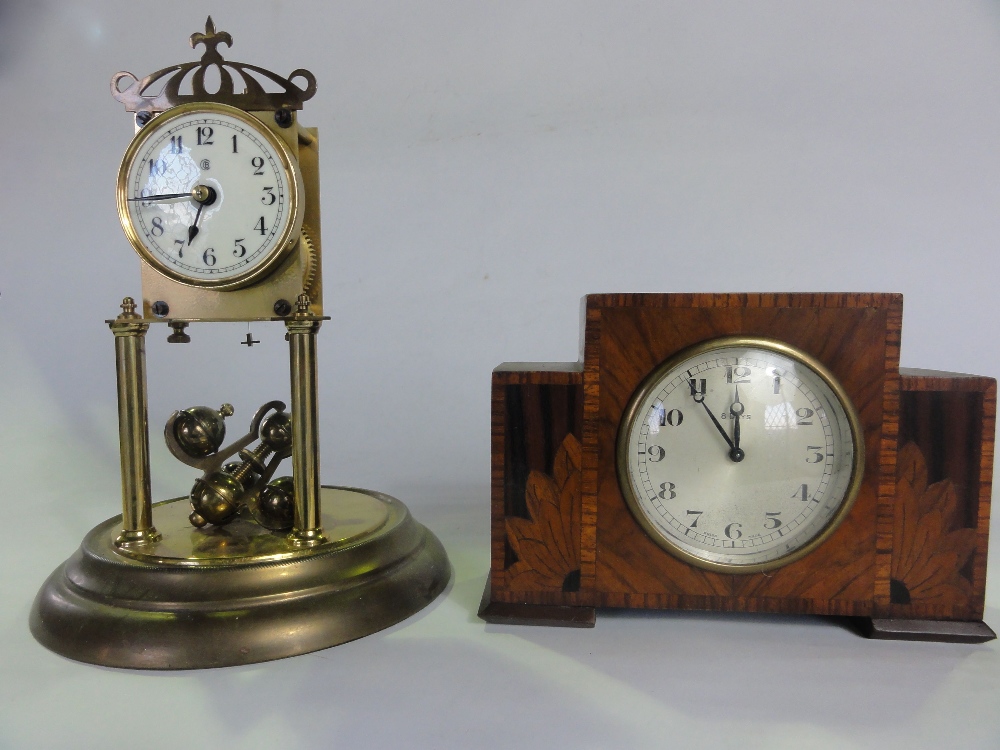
<point x="742" y="452"/>
<point x="218" y="193"/>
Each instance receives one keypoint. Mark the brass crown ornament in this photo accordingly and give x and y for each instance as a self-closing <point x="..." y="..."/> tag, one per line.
<point x="136" y="97"/>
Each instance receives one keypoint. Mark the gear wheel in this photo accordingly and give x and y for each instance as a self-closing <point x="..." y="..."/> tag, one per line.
<point x="309" y="259"/>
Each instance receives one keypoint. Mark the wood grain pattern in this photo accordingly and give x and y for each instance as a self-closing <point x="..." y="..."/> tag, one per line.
<point x="534" y="407"/>
<point x="920" y="524"/>
<point x="932" y="545"/>
<point x="941" y="529"/>
<point x="493" y="610"/>
<point x="546" y="543"/>
<point x="887" y="462"/>
<point x="588" y="487"/>
<point x="638" y="333"/>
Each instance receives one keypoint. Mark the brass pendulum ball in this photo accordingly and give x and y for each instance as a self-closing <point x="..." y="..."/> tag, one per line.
<point x="276" y="506"/>
<point x="200" y="430"/>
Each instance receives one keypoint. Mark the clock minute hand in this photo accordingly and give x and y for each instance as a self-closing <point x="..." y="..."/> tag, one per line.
<point x="164" y="197"/>
<point x="718" y="425"/>
<point x="200" y="193"/>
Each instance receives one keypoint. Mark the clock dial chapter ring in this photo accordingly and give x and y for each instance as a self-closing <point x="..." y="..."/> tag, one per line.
<point x="781" y="482"/>
<point x="246" y="207"/>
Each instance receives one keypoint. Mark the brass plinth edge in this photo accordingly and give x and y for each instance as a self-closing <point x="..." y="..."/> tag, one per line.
<point x="102" y="608"/>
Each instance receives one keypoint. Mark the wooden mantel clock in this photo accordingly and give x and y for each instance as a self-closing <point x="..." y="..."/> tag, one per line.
<point x="742" y="452"/>
<point x="218" y="194"/>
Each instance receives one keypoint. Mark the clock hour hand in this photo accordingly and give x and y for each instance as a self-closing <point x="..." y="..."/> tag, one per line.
<point x="205" y="196"/>
<point x="699" y="398"/>
<point x="193" y="229"/>
<point x="735" y="452"/>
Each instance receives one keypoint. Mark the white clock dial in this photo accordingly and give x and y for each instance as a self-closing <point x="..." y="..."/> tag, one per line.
<point x="209" y="196"/>
<point x="740" y="454"/>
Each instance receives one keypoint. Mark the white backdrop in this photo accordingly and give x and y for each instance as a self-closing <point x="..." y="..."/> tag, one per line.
<point x="484" y="165"/>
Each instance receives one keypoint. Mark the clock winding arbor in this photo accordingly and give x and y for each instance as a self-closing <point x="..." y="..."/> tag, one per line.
<point x="742" y="452"/>
<point x="219" y="195"/>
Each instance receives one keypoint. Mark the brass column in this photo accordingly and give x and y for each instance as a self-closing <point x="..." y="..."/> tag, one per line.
<point x="133" y="434"/>
<point x="302" y="328"/>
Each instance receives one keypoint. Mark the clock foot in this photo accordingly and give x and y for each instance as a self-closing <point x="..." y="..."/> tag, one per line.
<point x="945" y="631"/>
<point x="554" y="615"/>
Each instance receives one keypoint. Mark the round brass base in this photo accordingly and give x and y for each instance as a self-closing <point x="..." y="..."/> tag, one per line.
<point x="239" y="594"/>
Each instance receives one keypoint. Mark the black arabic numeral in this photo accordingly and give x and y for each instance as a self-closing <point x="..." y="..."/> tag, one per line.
<point x="209" y="257"/>
<point x="656" y="453"/>
<point x="697" y="515"/>
<point x="734" y="528"/>
<point x="259" y="226"/>
<point x="815" y="454"/>
<point x="157" y="229"/>
<point x="180" y="248"/>
<point x="698" y="387"/>
<point x="234" y="144"/>
<point x="258" y="164"/>
<point x="175" y="144"/>
<point x="674" y="417"/>
<point x="157" y="167"/>
<point x="205" y="134"/>
<point x="268" y="193"/>
<point x="772" y="521"/>
<point x="667" y="491"/>
<point x="802" y="493"/>
<point x="239" y="251"/>
<point x="777" y="384"/>
<point x="804" y="415"/>
<point x="737" y="374"/>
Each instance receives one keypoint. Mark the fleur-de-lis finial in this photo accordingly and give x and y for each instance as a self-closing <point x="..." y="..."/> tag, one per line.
<point x="211" y="39"/>
<point x="239" y="84"/>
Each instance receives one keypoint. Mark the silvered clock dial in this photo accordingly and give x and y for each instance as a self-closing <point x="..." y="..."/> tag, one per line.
<point x="209" y="196"/>
<point x="740" y="454"/>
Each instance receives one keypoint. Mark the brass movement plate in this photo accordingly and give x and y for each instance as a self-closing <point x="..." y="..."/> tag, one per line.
<point x="347" y="516"/>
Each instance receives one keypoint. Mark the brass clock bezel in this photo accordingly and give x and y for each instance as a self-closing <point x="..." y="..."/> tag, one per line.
<point x="293" y="176"/>
<point x="779" y="347"/>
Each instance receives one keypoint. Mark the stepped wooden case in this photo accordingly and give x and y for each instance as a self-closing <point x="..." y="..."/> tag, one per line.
<point x="909" y="558"/>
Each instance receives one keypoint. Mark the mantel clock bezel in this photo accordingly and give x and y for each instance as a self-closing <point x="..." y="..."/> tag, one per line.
<point x="654" y="380"/>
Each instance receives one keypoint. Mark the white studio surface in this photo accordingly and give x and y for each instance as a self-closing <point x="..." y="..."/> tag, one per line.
<point x="484" y="165"/>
